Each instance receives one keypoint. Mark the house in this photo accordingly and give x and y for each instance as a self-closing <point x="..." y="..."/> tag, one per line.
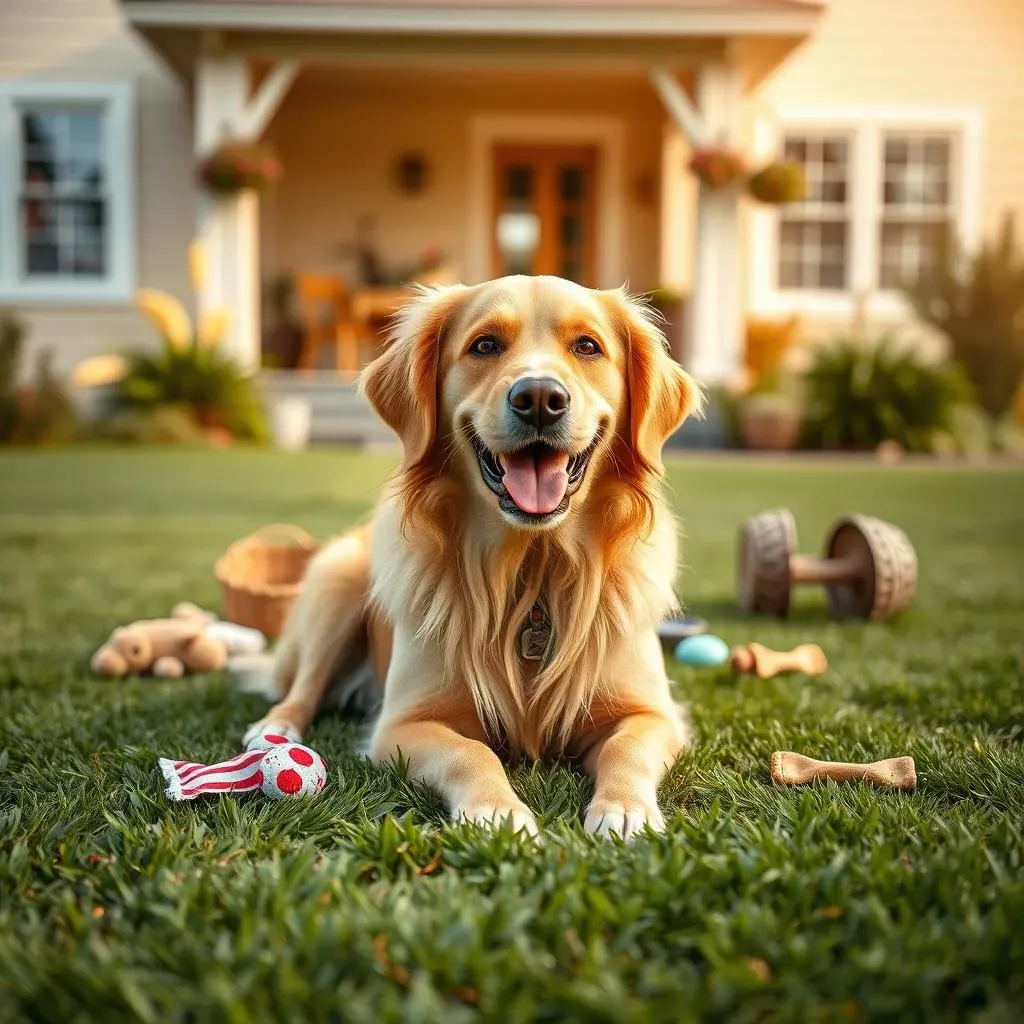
<point x="550" y="135"/>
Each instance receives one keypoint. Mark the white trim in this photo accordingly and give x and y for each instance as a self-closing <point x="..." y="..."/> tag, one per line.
<point x="714" y="313"/>
<point x="607" y="133"/>
<point x="260" y="109"/>
<point x="865" y="126"/>
<point x="679" y="107"/>
<point x="228" y="226"/>
<point x="441" y="19"/>
<point x="118" y="284"/>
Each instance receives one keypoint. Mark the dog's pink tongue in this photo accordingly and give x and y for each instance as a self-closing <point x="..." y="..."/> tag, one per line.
<point x="536" y="485"/>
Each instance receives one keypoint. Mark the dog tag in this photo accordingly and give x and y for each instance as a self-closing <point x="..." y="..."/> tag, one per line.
<point x="535" y="638"/>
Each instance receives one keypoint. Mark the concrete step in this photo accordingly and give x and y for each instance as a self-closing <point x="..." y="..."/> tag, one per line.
<point x="340" y="414"/>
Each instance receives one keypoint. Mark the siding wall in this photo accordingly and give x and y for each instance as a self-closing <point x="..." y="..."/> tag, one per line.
<point x="920" y="53"/>
<point x="86" y="40"/>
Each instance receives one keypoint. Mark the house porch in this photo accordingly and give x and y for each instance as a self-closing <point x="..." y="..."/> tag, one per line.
<point x="348" y="104"/>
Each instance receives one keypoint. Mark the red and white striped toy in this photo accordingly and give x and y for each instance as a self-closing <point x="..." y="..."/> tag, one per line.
<point x="271" y="762"/>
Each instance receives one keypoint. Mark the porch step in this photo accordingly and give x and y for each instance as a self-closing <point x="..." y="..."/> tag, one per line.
<point x="340" y="414"/>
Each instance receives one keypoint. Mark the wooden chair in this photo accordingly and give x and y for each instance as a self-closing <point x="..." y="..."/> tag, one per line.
<point x="325" y="304"/>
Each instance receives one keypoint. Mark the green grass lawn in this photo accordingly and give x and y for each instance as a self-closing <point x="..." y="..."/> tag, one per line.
<point x="822" y="903"/>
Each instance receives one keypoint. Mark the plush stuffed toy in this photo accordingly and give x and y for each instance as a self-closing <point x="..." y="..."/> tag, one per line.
<point x="191" y="640"/>
<point x="165" y="647"/>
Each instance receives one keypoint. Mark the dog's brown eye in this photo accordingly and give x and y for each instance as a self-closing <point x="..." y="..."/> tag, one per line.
<point x="586" y="347"/>
<point x="485" y="346"/>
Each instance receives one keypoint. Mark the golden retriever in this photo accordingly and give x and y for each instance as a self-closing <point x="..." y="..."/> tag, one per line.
<point x="507" y="591"/>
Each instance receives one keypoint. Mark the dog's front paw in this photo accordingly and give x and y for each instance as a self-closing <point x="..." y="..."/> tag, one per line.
<point x="517" y="815"/>
<point x="269" y="725"/>
<point x="624" y="820"/>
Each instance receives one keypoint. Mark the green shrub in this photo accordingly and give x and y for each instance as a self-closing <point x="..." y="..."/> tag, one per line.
<point x="12" y="340"/>
<point x="978" y="303"/>
<point x="1009" y="437"/>
<point x="166" y="424"/>
<point x="859" y="395"/>
<point x="45" y="412"/>
<point x="199" y="378"/>
<point x="37" y="412"/>
<point x="972" y="429"/>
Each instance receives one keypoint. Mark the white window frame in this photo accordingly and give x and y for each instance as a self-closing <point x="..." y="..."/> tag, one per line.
<point x="118" y="283"/>
<point x="866" y="128"/>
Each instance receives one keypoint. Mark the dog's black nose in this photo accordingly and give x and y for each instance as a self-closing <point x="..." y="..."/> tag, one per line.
<point x="540" y="401"/>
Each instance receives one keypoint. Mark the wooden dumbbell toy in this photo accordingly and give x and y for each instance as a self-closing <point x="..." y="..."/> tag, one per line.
<point x="869" y="568"/>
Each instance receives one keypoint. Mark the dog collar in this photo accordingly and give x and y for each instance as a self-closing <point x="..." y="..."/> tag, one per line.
<point x="535" y="639"/>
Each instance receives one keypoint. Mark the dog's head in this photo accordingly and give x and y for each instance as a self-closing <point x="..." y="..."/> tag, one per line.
<point x="529" y="388"/>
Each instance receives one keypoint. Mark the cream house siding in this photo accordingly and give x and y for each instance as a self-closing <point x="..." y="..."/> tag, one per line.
<point x="339" y="133"/>
<point x="87" y="41"/>
<point x="965" y="55"/>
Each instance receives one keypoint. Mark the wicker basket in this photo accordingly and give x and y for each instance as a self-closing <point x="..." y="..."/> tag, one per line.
<point x="260" y="576"/>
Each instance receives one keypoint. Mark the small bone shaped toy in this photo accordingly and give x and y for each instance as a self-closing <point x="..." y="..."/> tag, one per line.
<point x="791" y="769"/>
<point x="764" y="663"/>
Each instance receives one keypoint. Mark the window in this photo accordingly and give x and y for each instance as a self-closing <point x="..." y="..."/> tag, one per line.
<point x="882" y="188"/>
<point x="916" y="203"/>
<point x="813" y="243"/>
<point x="66" y="193"/>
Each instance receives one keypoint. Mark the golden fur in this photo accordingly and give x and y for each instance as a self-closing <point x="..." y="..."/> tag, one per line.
<point x="437" y="588"/>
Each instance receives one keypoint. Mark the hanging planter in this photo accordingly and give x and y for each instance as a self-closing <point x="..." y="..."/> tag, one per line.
<point x="777" y="183"/>
<point x="239" y="167"/>
<point x="717" y="167"/>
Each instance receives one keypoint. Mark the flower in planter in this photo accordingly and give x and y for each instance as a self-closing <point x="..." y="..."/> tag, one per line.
<point x="782" y="181"/>
<point x="717" y="166"/>
<point x="239" y="166"/>
<point x="431" y="258"/>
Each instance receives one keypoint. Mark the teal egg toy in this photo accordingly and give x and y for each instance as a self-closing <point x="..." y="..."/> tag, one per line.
<point x="702" y="651"/>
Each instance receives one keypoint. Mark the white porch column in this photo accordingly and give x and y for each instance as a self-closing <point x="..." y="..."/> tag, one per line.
<point x="715" y="310"/>
<point x="228" y="227"/>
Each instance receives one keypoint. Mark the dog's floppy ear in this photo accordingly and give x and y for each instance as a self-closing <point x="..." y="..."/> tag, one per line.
<point x="401" y="384"/>
<point x="661" y="393"/>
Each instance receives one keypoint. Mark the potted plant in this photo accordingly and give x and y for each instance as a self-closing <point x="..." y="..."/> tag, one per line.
<point x="770" y="414"/>
<point x="432" y="268"/>
<point x="239" y="166"/>
<point x="670" y="303"/>
<point x="769" y="417"/>
<point x="717" y="166"/>
<point x="777" y="183"/>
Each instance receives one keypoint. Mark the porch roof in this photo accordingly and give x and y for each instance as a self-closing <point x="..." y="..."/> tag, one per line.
<point x="487" y="17"/>
<point x="631" y="36"/>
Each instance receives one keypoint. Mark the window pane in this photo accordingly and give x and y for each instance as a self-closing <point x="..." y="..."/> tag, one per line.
<point x="908" y="248"/>
<point x="813" y="254"/>
<point x="519" y="182"/>
<point x="570" y="184"/>
<point x="825" y="160"/>
<point x="84" y="130"/>
<point x="571" y="229"/>
<point x="795" y="149"/>
<point x="63" y="237"/>
<point x="62" y="149"/>
<point x="39" y="128"/>
<point x="917" y="171"/>
<point x="63" y="212"/>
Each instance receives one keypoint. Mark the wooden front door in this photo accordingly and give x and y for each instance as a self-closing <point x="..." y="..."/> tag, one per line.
<point x="543" y="218"/>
